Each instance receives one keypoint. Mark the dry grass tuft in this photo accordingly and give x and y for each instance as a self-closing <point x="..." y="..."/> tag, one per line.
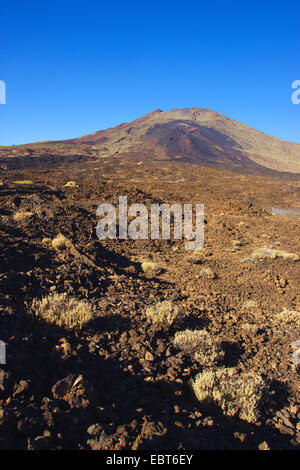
<point x="198" y="256"/>
<point x="289" y="317"/>
<point x="207" y="273"/>
<point x="23" y="182"/>
<point x="200" y="345"/>
<point x="250" y="329"/>
<point x="71" y="184"/>
<point x="150" y="268"/>
<point x="20" y="216"/>
<point x="249" y="305"/>
<point x="236" y="394"/>
<point x="60" y="242"/>
<point x="243" y="224"/>
<point x="63" y="311"/>
<point x="164" y="313"/>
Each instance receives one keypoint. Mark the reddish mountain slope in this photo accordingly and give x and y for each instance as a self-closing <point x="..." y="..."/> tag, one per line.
<point x="192" y="135"/>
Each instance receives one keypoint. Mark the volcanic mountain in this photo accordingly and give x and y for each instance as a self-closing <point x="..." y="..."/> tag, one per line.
<point x="195" y="135"/>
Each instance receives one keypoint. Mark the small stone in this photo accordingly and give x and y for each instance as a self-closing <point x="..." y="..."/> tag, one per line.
<point x="149" y="356"/>
<point x="20" y="388"/>
<point x="240" y="435"/>
<point x="263" y="446"/>
<point x="75" y="391"/>
<point x="284" y="418"/>
<point x="284" y="429"/>
<point x="267" y="252"/>
<point x="294" y="409"/>
<point x="248" y="260"/>
<point x="94" y="429"/>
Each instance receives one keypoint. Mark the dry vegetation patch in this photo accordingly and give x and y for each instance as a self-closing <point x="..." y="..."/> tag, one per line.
<point x="150" y="268"/>
<point x="200" y="345"/>
<point x="289" y="317"/>
<point x="164" y="313"/>
<point x="23" y="182"/>
<point x="196" y="257"/>
<point x="60" y="310"/>
<point x="250" y="329"/>
<point x="60" y="242"/>
<point x="236" y="394"/>
<point x="71" y="184"/>
<point x="207" y="273"/>
<point x="249" y="305"/>
<point x="20" y="216"/>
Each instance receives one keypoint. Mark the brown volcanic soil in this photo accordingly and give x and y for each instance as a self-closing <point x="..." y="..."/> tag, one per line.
<point x="128" y="399"/>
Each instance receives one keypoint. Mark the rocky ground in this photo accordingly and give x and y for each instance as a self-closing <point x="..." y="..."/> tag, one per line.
<point x="119" y="382"/>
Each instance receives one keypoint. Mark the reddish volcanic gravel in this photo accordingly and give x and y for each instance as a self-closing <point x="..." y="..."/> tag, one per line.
<point x="119" y="382"/>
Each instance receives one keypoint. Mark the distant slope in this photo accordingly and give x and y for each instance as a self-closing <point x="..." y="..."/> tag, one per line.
<point x="193" y="135"/>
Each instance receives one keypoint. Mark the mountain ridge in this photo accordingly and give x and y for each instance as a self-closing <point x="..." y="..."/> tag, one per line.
<point x="193" y="135"/>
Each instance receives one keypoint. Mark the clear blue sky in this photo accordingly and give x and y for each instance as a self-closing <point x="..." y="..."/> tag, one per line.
<point x="72" y="68"/>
